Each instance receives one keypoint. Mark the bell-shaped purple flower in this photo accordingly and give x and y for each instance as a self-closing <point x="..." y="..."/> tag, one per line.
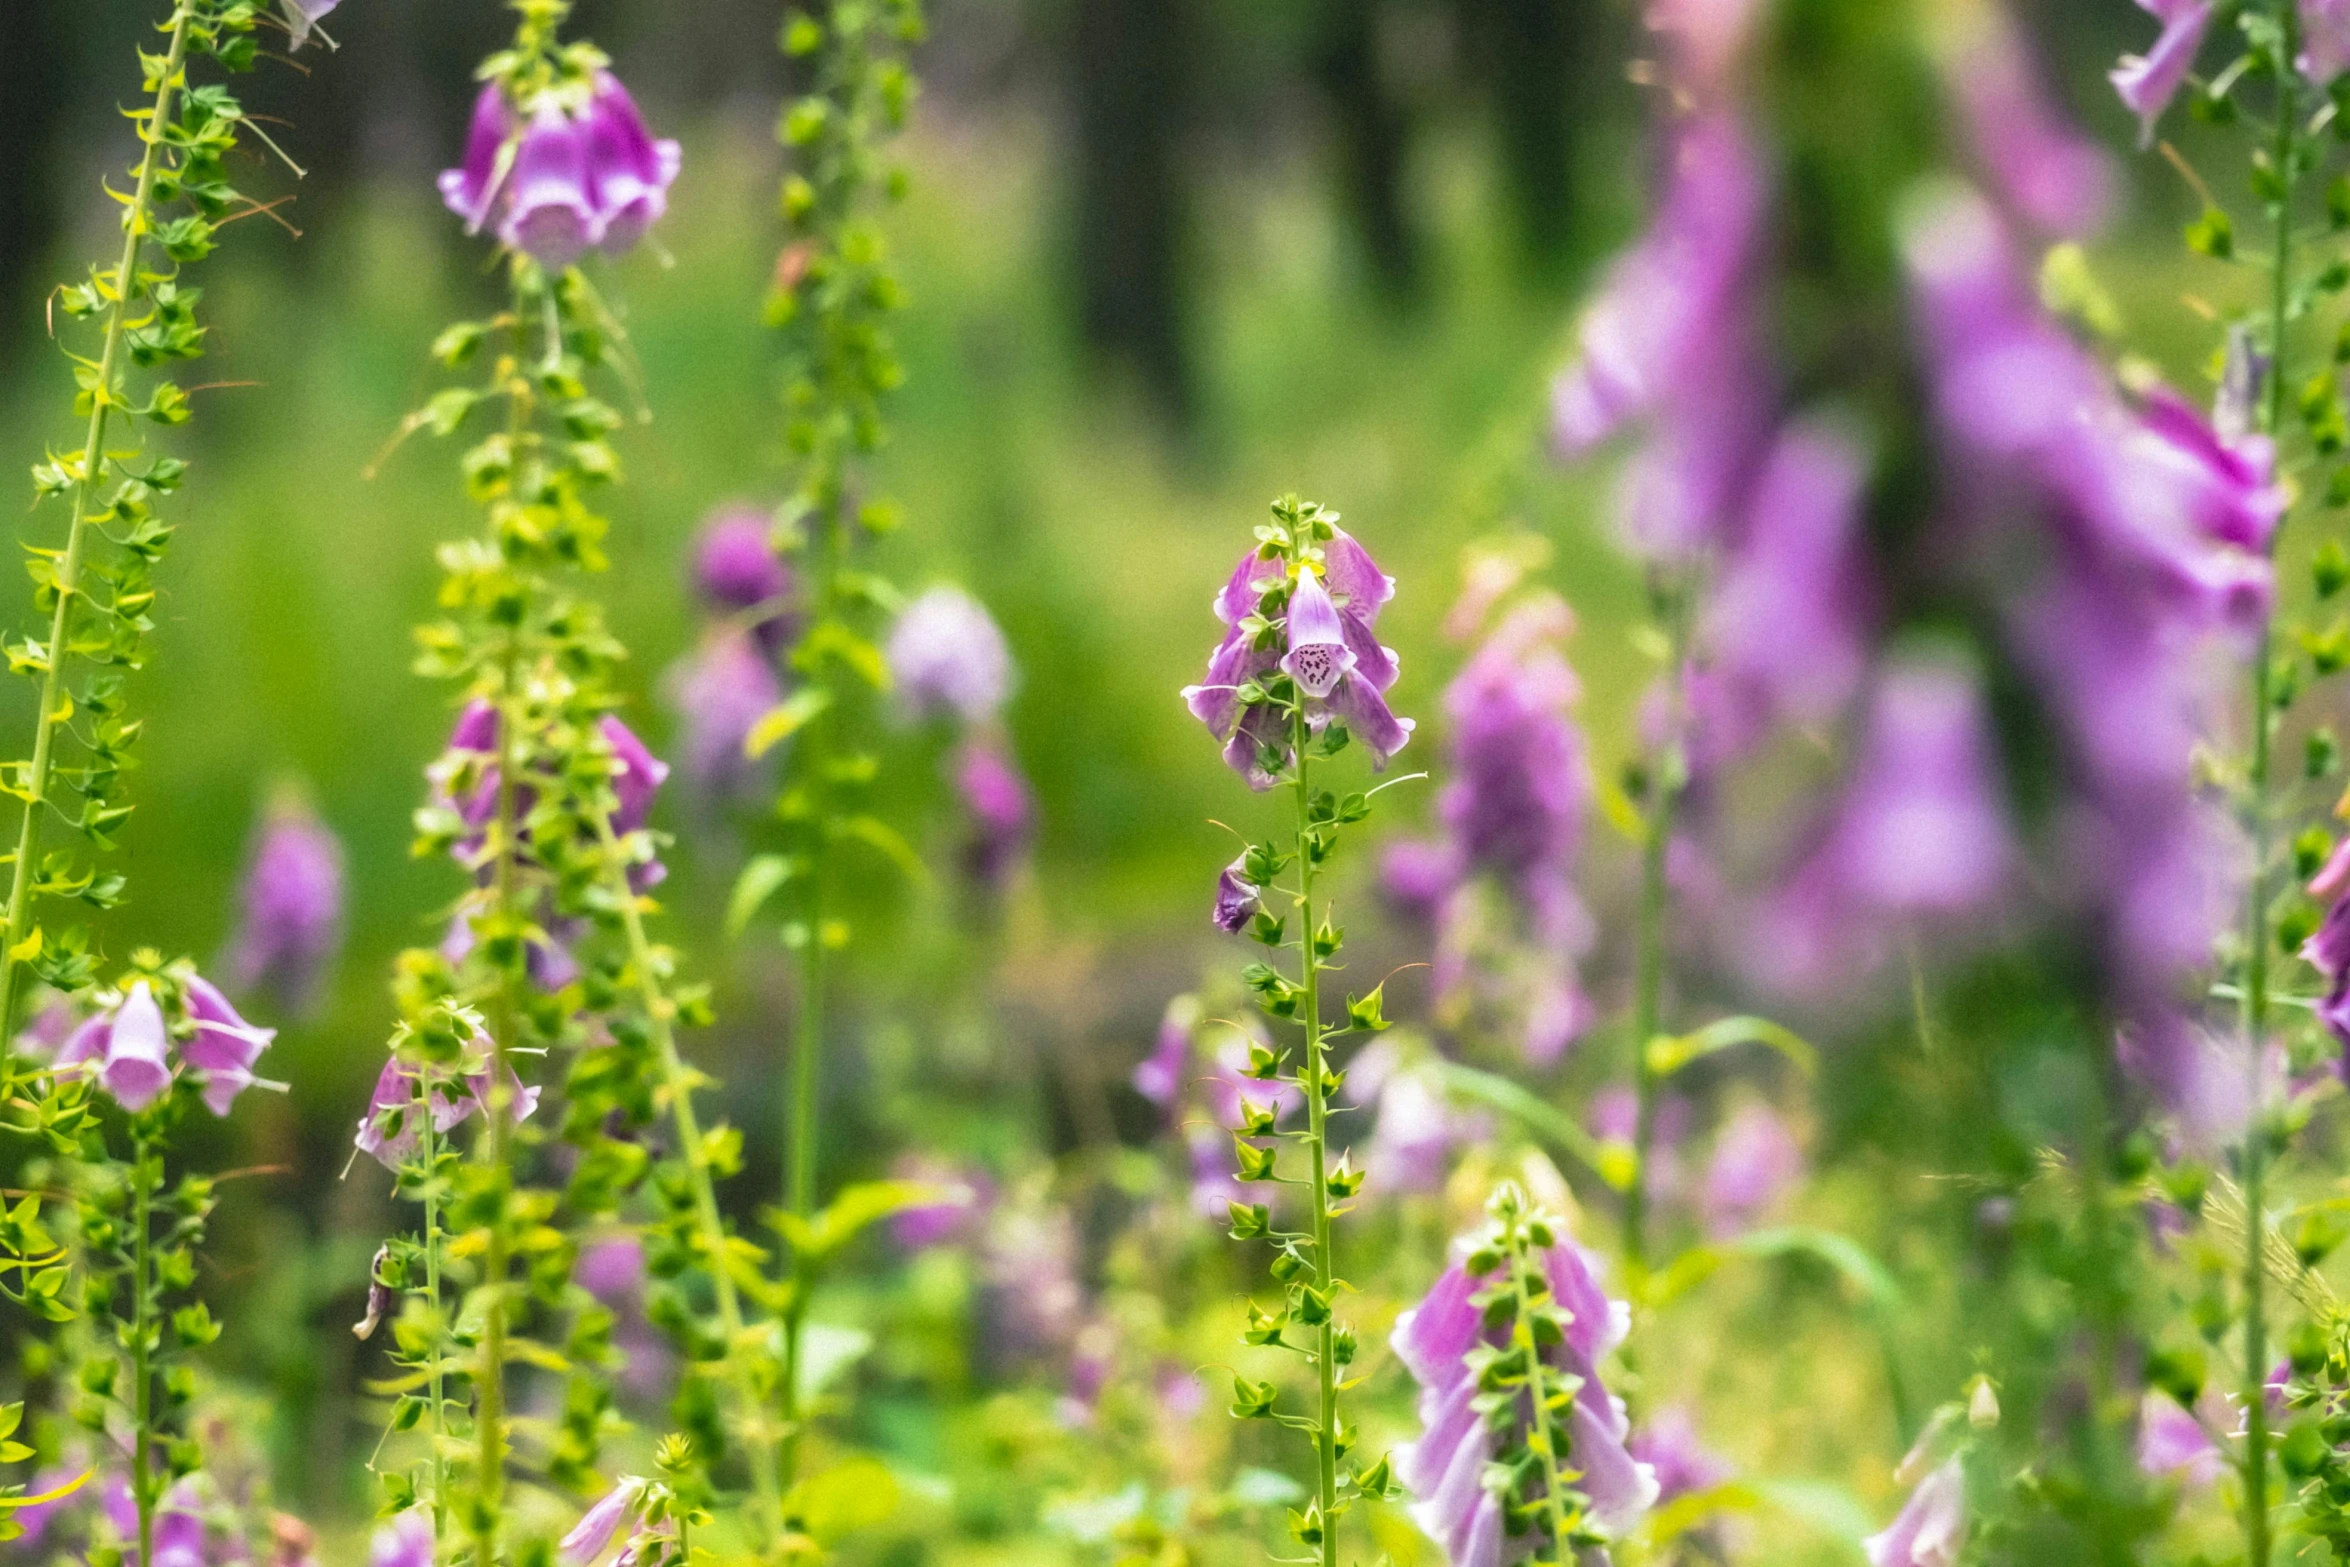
<point x="1417" y="1130"/>
<point x="719" y="692"/>
<point x="1930" y="1529"/>
<point x="406" y="1541"/>
<point x="1160" y="1075"/>
<point x="1669" y="1444"/>
<point x="629" y="172"/>
<point x="2325" y="40"/>
<point x="550" y="210"/>
<point x="1444" y="1469"/>
<point x="736" y="571"/>
<point x="131" y="1044"/>
<point x="1237" y="898"/>
<point x="1756" y="1159"/>
<point x="590" y="1537"/>
<point x="290" y="924"/>
<point x="304" y="15"/>
<point x="2148" y="82"/>
<point x="1318" y="657"/>
<point x="2171" y="1441"/>
<point x="223" y="1047"/>
<point x="471" y="190"/>
<point x="998" y="808"/>
<point x="948" y="659"/>
<point x="2042" y="167"/>
<point x="390" y="1132"/>
<point x="637" y="776"/>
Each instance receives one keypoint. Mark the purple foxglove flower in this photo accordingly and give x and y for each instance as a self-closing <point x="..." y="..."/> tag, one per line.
<point x="948" y="659"/>
<point x="964" y="1197"/>
<point x="1090" y="1365"/>
<point x="736" y="571"/>
<point x="1670" y="1445"/>
<point x="998" y="808"/>
<point x="1214" y="1185"/>
<point x="612" y="1269"/>
<point x="629" y="172"/>
<point x="637" y="779"/>
<point x="1522" y="783"/>
<point x="1237" y="898"/>
<point x="550" y="211"/>
<point x="406" y="1541"/>
<point x="49" y="1029"/>
<point x="223" y="1047"/>
<point x="1160" y="1075"/>
<point x="719" y="693"/>
<point x="2173" y="1442"/>
<point x="2197" y="1079"/>
<point x="2325" y="40"/>
<point x="389" y="1132"/>
<point x="471" y="190"/>
<point x="1416" y="876"/>
<point x="594" y="1531"/>
<point x="303" y="15"/>
<point x="2148" y="82"/>
<point x="2043" y="168"/>
<point x="1930" y="1529"/>
<point x="132" y="1046"/>
<point x="34" y="1518"/>
<point x="1755" y="1160"/>
<point x="291" y="922"/>
<point x="1318" y="657"/>
<point x="1444" y="1469"/>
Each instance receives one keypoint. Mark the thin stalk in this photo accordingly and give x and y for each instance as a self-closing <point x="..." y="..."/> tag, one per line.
<point x="1665" y="782"/>
<point x="142" y="1365"/>
<point x="2254" y="1003"/>
<point x="1315" y="1082"/>
<point x="1554" y="1474"/>
<point x="428" y="1143"/>
<point x="136" y="223"/>
<point x="660" y="1014"/>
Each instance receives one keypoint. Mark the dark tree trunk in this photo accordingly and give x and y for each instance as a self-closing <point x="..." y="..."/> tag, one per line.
<point x="1373" y="139"/>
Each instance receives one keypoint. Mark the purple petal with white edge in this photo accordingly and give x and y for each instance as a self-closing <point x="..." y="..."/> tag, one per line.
<point x="1354" y="578"/>
<point x="407" y="1541"/>
<point x="1318" y="657"/>
<point x="2325" y="40"/>
<point x="551" y="216"/>
<point x="1358" y="705"/>
<point x="138" y="1063"/>
<point x="594" y="1531"/>
<point x="223" y="1041"/>
<point x="1931" y="1527"/>
<point x="1375" y="663"/>
<point x="2147" y="83"/>
<point x="471" y="189"/>
<point x="1237" y="660"/>
<point x="1249" y="582"/>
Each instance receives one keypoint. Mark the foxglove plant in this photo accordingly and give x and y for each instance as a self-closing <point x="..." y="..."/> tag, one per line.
<point x="1298" y="678"/>
<point x="833" y="292"/>
<point x="290" y="916"/>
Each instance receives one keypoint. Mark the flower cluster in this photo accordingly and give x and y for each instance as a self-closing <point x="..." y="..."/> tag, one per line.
<point x="724" y="687"/>
<point x="948" y="662"/>
<point x="1522" y="1447"/>
<point x="561" y="166"/>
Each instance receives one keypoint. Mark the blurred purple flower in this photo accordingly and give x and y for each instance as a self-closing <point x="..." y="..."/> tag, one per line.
<point x="1033" y="1302"/>
<point x="550" y="205"/>
<point x="611" y="1269"/>
<point x="2173" y="1442"/>
<point x="34" y="1518"/>
<point x="389" y="1132"/>
<point x="1160" y="1075"/>
<point x="555" y="186"/>
<point x="406" y="1541"/>
<point x="1705" y="39"/>
<point x="291" y="921"/>
<point x="1669" y="1444"/>
<point x="2043" y="168"/>
<point x="1091" y="1362"/>
<point x="1416" y="876"/>
<point x="1755" y="1160"/>
<point x="998" y="808"/>
<point x="1416" y="1135"/>
<point x="2328" y="948"/>
<point x="2325" y="40"/>
<point x="719" y="692"/>
<point x="630" y="171"/>
<point x="962" y="1203"/>
<point x="1324" y="628"/>
<point x="948" y="659"/>
<point x="1444" y="1469"/>
<point x="2148" y="82"/>
<point x="1931" y="1527"/>
<point x="223" y="1046"/>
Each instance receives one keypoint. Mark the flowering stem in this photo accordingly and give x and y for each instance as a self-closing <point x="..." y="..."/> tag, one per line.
<point x="660" y="1016"/>
<point x="2254" y="1004"/>
<point x="137" y="220"/>
<point x="1554" y="1479"/>
<point x="1313" y="1078"/>
<point x="1666" y="779"/>
<point x="428" y="1146"/>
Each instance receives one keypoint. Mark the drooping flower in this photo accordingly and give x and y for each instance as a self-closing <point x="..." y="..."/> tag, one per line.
<point x="304" y="15"/>
<point x="556" y="183"/>
<point x="719" y="693"/>
<point x="137" y="1060"/>
<point x="223" y="1045"/>
<point x="1755" y="1160"/>
<point x="2041" y="166"/>
<point x="2148" y="82"/>
<point x="947" y="658"/>
<point x="998" y="809"/>
<point x="2325" y="40"/>
<point x="1930" y="1528"/>
<point x="1237" y="898"/>
<point x="593" y="1533"/>
<point x="389" y="1132"/>
<point x="1444" y="1469"/>
<point x="1320" y="632"/>
<point x="406" y="1541"/>
<point x="291" y="919"/>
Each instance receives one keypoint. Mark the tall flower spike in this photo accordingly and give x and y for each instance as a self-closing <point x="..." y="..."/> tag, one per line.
<point x="291" y="920"/>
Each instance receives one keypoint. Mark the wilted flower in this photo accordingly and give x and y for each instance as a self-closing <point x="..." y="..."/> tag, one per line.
<point x="1320" y="633"/>
<point x="1755" y="1160"/>
<point x="2148" y="82"/>
<point x="998" y="808"/>
<point x="1931" y="1527"/>
<point x="1237" y="898"/>
<point x="389" y="1132"/>
<point x="556" y="184"/>
<point x="1444" y="1468"/>
<point x="291" y="922"/>
<point x="720" y="692"/>
<point x="948" y="659"/>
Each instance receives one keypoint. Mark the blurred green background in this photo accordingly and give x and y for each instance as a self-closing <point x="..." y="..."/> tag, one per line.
<point x="1165" y="259"/>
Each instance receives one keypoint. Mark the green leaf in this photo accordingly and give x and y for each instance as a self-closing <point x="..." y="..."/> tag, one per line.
<point x="784" y="720"/>
<point x="856" y="1208"/>
<point x="1841" y="1252"/>
<point x="1667" y="1054"/>
<point x="856" y="1494"/>
<point x="757" y="883"/>
<point x="878" y="834"/>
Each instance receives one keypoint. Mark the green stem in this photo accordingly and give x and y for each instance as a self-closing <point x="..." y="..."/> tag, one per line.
<point x="137" y="220"/>
<point x="2254" y="1004"/>
<point x="428" y="1145"/>
<point x="1313" y="1078"/>
<point x="143" y="1329"/>
<point x="660" y="1015"/>
<point x="1665" y="782"/>
<point x="1554" y="1481"/>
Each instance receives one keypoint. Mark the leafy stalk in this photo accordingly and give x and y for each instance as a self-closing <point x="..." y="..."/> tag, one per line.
<point x="1667" y="776"/>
